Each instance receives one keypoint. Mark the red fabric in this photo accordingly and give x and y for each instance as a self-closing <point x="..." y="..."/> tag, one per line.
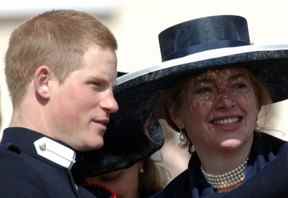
<point x="96" y="185"/>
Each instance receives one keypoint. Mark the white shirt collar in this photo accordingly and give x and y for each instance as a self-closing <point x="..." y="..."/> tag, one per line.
<point x="55" y="152"/>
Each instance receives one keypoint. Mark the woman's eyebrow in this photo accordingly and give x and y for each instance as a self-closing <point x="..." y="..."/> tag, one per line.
<point x="238" y="76"/>
<point x="203" y="80"/>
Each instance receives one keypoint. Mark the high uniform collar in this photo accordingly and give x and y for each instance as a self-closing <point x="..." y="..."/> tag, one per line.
<point x="39" y="146"/>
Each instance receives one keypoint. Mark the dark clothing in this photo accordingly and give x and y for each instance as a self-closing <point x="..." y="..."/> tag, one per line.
<point x="266" y="174"/>
<point x="25" y="174"/>
<point x="103" y="192"/>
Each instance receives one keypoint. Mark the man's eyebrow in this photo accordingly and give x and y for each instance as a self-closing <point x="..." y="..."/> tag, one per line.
<point x="97" y="78"/>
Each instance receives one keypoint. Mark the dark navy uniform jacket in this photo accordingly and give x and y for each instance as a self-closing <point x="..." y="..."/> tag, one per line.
<point x="25" y="174"/>
<point x="266" y="175"/>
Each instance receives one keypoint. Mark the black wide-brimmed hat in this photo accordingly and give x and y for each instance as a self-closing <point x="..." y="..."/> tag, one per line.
<point x="198" y="45"/>
<point x="126" y="141"/>
<point x="187" y="48"/>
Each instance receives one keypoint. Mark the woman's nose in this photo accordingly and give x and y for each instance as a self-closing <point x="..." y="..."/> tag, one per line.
<point x="225" y="100"/>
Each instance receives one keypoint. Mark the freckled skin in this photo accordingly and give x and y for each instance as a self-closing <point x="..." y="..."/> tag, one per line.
<point x="212" y="97"/>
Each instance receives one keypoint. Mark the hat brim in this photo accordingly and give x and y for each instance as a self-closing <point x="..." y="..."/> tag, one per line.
<point x="125" y="142"/>
<point x="137" y="92"/>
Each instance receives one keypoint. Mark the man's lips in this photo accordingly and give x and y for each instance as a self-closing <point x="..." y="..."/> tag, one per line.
<point x="103" y="122"/>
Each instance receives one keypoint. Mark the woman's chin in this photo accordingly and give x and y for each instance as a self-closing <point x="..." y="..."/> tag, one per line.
<point x="231" y="143"/>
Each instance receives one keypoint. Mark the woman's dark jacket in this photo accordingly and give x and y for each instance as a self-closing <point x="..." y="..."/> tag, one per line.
<point x="266" y="174"/>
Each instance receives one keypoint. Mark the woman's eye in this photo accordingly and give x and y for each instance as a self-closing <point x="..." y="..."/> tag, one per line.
<point x="203" y="90"/>
<point x="240" y="85"/>
<point x="204" y="93"/>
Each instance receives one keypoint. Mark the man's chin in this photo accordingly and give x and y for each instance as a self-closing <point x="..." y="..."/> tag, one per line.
<point x="93" y="145"/>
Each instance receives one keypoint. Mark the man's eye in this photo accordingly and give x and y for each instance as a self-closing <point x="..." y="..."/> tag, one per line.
<point x="98" y="85"/>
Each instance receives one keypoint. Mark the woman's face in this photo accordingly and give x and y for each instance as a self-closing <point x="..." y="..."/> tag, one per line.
<point x="218" y="109"/>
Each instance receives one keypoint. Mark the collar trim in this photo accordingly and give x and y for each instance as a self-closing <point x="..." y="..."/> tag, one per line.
<point x="55" y="152"/>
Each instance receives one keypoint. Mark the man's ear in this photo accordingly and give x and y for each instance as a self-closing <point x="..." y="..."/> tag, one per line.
<point x="42" y="75"/>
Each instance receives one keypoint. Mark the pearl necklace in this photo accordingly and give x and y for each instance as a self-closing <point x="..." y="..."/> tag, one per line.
<point x="228" y="179"/>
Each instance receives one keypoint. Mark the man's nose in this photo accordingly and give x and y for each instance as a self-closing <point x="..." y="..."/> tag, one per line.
<point x="109" y="103"/>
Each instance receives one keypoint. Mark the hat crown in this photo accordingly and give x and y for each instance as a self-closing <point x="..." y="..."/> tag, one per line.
<point x="203" y="34"/>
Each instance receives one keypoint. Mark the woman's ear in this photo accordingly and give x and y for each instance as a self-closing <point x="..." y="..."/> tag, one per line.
<point x="141" y="166"/>
<point x="175" y="117"/>
<point x="170" y="111"/>
<point x="41" y="81"/>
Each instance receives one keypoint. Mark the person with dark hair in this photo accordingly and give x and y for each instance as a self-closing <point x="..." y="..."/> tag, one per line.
<point x="129" y="172"/>
<point x="60" y="70"/>
<point x="210" y="88"/>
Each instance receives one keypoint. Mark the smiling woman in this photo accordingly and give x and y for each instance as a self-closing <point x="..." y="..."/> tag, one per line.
<point x="217" y="111"/>
<point x="212" y="84"/>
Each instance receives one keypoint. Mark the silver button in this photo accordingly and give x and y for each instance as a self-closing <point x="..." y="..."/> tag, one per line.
<point x="42" y="147"/>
